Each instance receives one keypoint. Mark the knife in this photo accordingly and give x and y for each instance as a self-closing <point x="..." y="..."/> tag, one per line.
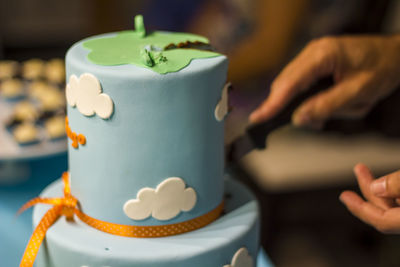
<point x="255" y="136"/>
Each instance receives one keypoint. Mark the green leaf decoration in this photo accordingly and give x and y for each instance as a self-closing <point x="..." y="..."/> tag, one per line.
<point x="128" y="47"/>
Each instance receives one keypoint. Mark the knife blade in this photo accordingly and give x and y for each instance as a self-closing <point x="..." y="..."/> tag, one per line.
<point x="255" y="136"/>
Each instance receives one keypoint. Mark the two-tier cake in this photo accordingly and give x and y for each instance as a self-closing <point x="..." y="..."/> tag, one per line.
<point x="146" y="182"/>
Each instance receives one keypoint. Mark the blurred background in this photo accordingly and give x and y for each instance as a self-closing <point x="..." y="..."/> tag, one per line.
<point x="297" y="179"/>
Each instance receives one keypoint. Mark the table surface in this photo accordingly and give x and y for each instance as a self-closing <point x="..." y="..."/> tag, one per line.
<point x="15" y="231"/>
<point x="297" y="159"/>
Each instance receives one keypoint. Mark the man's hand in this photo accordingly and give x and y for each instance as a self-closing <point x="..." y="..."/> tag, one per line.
<point x="365" y="69"/>
<point x="380" y="208"/>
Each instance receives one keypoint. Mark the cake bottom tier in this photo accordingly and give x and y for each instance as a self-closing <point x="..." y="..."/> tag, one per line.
<point x="232" y="240"/>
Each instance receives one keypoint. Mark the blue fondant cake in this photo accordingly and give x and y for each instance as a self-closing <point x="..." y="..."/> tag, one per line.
<point x="162" y="126"/>
<point x="76" y="244"/>
<point x="146" y="151"/>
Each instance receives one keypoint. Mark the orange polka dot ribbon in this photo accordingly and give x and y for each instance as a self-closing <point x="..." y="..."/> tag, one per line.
<point x="68" y="206"/>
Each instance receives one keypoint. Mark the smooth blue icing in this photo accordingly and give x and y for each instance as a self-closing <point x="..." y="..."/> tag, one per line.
<point x="163" y="126"/>
<point x="76" y="244"/>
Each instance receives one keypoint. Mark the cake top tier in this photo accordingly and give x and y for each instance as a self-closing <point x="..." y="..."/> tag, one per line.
<point x="162" y="52"/>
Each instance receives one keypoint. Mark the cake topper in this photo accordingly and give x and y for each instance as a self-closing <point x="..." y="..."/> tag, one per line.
<point x="139" y="26"/>
<point x="162" y="52"/>
<point x="151" y="56"/>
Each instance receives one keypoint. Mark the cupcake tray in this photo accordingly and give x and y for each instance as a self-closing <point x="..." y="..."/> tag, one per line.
<point x="10" y="149"/>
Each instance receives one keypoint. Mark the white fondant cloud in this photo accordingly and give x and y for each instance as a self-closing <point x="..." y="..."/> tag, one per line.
<point x="241" y="258"/>
<point x="86" y="94"/>
<point x="163" y="203"/>
<point x="222" y="108"/>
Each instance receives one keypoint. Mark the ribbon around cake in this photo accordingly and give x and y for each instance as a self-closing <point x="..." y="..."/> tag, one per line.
<point x="68" y="206"/>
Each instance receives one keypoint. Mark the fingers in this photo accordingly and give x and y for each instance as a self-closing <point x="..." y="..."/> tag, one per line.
<point x="363" y="210"/>
<point x="383" y="221"/>
<point x="378" y="212"/>
<point x="387" y="186"/>
<point x="390" y="222"/>
<point x="316" y="60"/>
<point x="365" y="178"/>
<point x="357" y="110"/>
<point x="342" y="98"/>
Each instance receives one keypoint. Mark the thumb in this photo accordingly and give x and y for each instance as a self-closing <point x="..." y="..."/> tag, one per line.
<point x="387" y="186"/>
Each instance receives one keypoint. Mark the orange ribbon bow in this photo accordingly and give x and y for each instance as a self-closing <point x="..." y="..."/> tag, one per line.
<point x="62" y="206"/>
<point x="68" y="206"/>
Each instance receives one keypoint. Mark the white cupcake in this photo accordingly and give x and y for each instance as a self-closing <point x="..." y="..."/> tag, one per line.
<point x="52" y="100"/>
<point x="11" y="89"/>
<point x="36" y="89"/>
<point x="33" y="69"/>
<point x="8" y="69"/>
<point x="55" y="127"/>
<point x="55" y="71"/>
<point x="25" y="111"/>
<point x="26" y="133"/>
